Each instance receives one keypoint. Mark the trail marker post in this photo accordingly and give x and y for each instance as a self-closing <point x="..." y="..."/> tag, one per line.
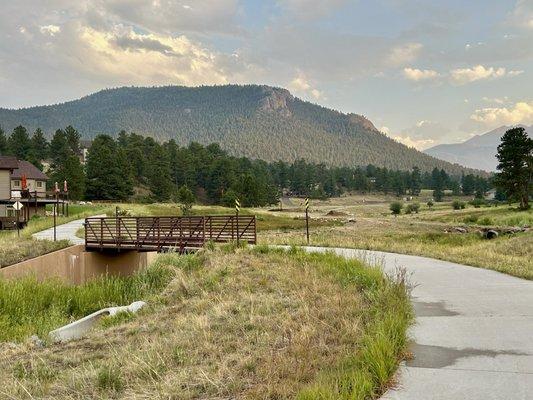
<point x="306" y="203"/>
<point x="237" y="209"/>
<point x="18" y="206"/>
<point x="56" y="209"/>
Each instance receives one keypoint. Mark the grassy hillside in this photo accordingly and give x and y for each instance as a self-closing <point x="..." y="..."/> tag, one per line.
<point x="240" y="324"/>
<point x="255" y="121"/>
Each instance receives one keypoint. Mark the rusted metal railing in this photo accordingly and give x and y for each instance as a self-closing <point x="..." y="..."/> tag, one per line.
<point x="163" y="233"/>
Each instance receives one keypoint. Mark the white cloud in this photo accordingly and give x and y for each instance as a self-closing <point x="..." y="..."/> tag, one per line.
<point x="515" y="73"/>
<point x="127" y="56"/>
<point x="496" y="100"/>
<point x="422" y="134"/>
<point x="300" y="85"/>
<point x="522" y="15"/>
<point x="463" y="76"/>
<point x="51" y="30"/>
<point x="415" y="74"/>
<point x="385" y="130"/>
<point x="404" y="54"/>
<point x="519" y="113"/>
<point x="419" y="144"/>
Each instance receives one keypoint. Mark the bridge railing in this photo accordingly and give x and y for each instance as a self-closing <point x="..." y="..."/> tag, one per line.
<point x="158" y="233"/>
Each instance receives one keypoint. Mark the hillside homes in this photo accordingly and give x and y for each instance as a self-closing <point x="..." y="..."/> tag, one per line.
<point x="24" y="182"/>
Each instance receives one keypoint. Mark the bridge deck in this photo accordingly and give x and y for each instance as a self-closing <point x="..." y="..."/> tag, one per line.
<point x="164" y="233"/>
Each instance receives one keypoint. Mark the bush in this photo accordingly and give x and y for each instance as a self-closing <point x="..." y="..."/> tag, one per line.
<point x="412" y="208"/>
<point x="186" y="198"/>
<point x="458" y="205"/>
<point x="470" y="219"/>
<point x="430" y="204"/>
<point x="396" y="207"/>
<point x="477" y="202"/>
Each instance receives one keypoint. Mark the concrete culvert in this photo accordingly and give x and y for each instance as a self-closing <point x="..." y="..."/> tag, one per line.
<point x="490" y="234"/>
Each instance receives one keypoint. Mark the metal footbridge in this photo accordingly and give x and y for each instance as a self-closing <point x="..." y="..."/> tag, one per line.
<point x="167" y="233"/>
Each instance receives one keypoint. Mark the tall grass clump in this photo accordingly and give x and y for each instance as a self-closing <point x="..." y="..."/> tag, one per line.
<point x="387" y="314"/>
<point x="30" y="307"/>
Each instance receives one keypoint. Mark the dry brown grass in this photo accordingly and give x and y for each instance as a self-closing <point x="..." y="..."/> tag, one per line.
<point x="510" y="254"/>
<point x="236" y="325"/>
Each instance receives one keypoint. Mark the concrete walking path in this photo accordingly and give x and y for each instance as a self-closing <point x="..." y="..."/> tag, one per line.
<point x="473" y="336"/>
<point x="64" y="232"/>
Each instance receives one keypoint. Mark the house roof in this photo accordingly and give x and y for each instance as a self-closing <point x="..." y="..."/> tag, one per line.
<point x="28" y="169"/>
<point x="8" y="162"/>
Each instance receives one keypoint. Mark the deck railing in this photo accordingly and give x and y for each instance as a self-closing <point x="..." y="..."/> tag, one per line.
<point x="163" y="233"/>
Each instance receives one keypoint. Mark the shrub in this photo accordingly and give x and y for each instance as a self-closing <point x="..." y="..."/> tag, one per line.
<point x="458" y="205"/>
<point x="485" y="221"/>
<point x="430" y="204"/>
<point x="186" y="198"/>
<point x="472" y="219"/>
<point x="477" y="202"/>
<point x="412" y="208"/>
<point x="396" y="207"/>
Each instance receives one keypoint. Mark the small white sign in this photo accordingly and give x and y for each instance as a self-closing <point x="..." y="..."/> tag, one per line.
<point x="18" y="205"/>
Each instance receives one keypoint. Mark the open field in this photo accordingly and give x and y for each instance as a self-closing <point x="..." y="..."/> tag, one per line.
<point x="358" y="221"/>
<point x="429" y="233"/>
<point x="233" y="323"/>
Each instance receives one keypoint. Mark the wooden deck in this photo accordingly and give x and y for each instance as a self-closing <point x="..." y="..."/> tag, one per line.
<point x="167" y="233"/>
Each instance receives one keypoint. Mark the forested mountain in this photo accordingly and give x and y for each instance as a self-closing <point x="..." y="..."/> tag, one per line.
<point x="478" y="152"/>
<point x="255" y="121"/>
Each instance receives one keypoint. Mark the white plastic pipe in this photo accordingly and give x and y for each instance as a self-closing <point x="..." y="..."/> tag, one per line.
<point x="77" y="329"/>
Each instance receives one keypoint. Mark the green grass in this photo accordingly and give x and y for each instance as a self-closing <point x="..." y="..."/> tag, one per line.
<point x="368" y="372"/>
<point x="30" y="307"/>
<point x="14" y="249"/>
<point x="234" y="322"/>
<point x="494" y="216"/>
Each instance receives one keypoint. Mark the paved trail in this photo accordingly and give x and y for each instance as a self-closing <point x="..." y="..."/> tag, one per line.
<point x="473" y="337"/>
<point x="64" y="232"/>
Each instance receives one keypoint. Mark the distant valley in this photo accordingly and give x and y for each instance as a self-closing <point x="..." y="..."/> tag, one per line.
<point x="479" y="152"/>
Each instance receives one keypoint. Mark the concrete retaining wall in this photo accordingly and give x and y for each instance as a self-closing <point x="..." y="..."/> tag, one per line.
<point x="73" y="265"/>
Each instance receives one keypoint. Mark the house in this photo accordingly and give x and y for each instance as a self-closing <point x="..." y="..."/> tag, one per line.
<point x="35" y="179"/>
<point x="23" y="182"/>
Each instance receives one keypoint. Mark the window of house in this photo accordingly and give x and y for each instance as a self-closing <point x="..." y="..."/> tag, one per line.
<point x="39" y="184"/>
<point x="16" y="183"/>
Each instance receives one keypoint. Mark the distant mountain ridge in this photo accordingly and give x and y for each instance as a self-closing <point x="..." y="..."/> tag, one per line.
<point x="478" y="152"/>
<point x="257" y="121"/>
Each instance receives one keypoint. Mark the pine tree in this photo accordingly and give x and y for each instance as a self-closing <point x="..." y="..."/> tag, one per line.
<point x="515" y="156"/>
<point x="19" y="143"/>
<point x="39" y="148"/>
<point x="108" y="178"/>
<point x="159" y="175"/>
<point x="415" y="181"/>
<point x="71" y="170"/>
<point x="73" y="139"/>
<point x="59" y="148"/>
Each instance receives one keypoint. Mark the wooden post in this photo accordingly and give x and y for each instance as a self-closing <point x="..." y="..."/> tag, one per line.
<point x="307" y="224"/>
<point x="237" y="209"/>
<point x="18" y="224"/>
<point x="307" y="220"/>
<point x="55" y="222"/>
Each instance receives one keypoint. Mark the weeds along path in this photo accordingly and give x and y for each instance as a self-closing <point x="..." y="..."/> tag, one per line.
<point x="473" y="330"/>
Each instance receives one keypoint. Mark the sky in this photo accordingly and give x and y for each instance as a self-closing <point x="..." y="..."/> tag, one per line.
<point x="424" y="72"/>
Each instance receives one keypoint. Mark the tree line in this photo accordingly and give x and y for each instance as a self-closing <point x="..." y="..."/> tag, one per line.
<point x="134" y="167"/>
